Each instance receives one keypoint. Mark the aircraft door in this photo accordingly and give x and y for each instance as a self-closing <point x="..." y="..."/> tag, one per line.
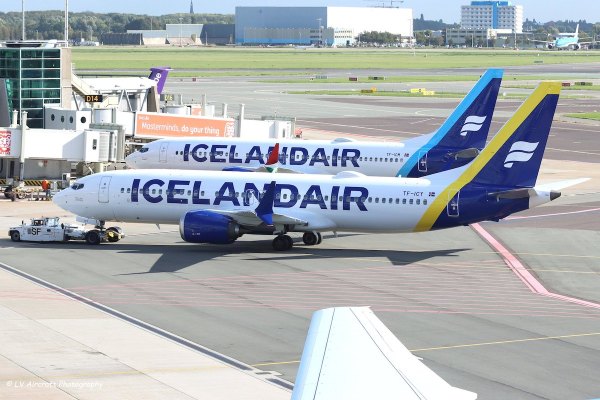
<point x="453" y="203"/>
<point x="162" y="154"/>
<point x="103" y="191"/>
<point x="422" y="161"/>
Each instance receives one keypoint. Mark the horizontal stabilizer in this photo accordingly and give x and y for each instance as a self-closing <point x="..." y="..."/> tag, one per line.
<point x="521" y="193"/>
<point x="350" y="354"/>
<point x="466" y="154"/>
<point x="561" y="184"/>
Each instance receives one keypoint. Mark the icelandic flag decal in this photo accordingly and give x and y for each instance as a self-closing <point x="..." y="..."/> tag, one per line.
<point x="520" y="152"/>
<point x="473" y="123"/>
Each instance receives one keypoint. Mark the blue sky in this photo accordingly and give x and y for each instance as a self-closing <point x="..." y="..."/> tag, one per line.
<point x="448" y="10"/>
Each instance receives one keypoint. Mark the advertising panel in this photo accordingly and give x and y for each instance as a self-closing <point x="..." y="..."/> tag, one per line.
<point x="5" y="140"/>
<point x="170" y="125"/>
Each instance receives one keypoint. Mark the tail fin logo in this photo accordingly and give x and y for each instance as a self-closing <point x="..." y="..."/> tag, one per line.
<point x="520" y="152"/>
<point x="473" y="123"/>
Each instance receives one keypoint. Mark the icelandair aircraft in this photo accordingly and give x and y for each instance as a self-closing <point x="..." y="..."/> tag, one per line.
<point x="454" y="144"/>
<point x="569" y="41"/>
<point x="218" y="207"/>
<point x="350" y="354"/>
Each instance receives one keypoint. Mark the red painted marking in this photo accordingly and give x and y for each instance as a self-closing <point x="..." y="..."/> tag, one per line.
<point x="519" y="269"/>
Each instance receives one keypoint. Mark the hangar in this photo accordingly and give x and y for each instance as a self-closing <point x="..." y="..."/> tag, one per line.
<point x="317" y="25"/>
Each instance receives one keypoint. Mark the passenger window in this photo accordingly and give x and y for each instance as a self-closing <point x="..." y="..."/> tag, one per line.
<point x="122" y="190"/>
<point x="376" y="199"/>
<point x="410" y="201"/>
<point x="128" y="190"/>
<point x="424" y="202"/>
<point x="285" y="196"/>
<point x="370" y="199"/>
<point x="326" y="198"/>
<point x="397" y="201"/>
<point x="403" y="201"/>
<point x="383" y="200"/>
<point x="418" y="201"/>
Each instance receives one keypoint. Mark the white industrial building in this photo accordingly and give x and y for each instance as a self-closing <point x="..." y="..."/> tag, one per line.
<point x="492" y="15"/>
<point x="327" y="26"/>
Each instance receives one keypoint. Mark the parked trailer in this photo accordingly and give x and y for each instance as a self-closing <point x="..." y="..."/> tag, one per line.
<point x="52" y="230"/>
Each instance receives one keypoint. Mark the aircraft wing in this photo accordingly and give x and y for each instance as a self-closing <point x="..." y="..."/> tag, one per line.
<point x="350" y="354"/>
<point x="542" y="41"/>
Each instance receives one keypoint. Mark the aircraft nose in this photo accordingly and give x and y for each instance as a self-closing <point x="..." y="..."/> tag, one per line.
<point x="131" y="160"/>
<point x="61" y="199"/>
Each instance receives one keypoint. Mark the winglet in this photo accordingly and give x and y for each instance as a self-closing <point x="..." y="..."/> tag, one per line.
<point x="274" y="155"/>
<point x="273" y="159"/>
<point x="264" y="211"/>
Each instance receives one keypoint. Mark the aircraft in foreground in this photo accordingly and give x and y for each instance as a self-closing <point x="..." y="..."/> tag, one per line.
<point x="350" y="354"/>
<point x="455" y="143"/>
<point x="564" y="41"/>
<point x="218" y="207"/>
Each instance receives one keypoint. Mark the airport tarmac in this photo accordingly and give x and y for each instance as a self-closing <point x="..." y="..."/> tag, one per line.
<point x="518" y="318"/>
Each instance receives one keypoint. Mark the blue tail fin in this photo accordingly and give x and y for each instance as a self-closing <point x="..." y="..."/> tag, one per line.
<point x="513" y="157"/>
<point x="159" y="74"/>
<point x="505" y="168"/>
<point x="466" y="128"/>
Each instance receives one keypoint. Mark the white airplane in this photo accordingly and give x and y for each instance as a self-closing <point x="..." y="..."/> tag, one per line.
<point x="350" y="354"/>
<point x="455" y="143"/>
<point x="218" y="207"/>
<point x="569" y="41"/>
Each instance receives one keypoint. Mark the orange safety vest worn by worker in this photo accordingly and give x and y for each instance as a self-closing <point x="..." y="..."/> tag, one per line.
<point x="45" y="184"/>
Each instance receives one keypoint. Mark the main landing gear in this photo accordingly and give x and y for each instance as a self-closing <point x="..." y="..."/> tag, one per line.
<point x="284" y="242"/>
<point x="312" y="238"/>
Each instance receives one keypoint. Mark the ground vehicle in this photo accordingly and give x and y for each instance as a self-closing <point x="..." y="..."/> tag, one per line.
<point x="51" y="230"/>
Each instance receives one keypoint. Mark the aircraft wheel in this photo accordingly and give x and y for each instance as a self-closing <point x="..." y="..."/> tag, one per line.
<point x="93" y="237"/>
<point x="311" y="238"/>
<point x="113" y="234"/>
<point x="282" y="243"/>
<point x="320" y="237"/>
<point x="15" y="236"/>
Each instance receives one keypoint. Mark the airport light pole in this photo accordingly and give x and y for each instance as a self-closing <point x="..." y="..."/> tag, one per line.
<point x="23" y="19"/>
<point x="67" y="22"/>
<point x="180" y="30"/>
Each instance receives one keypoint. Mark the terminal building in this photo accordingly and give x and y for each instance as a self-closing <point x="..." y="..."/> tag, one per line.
<point x="500" y="15"/>
<point x="326" y="26"/>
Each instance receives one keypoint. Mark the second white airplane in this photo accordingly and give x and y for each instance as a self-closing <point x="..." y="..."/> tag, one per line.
<point x="455" y="143"/>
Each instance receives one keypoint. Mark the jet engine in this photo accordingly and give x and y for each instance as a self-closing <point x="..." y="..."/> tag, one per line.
<point x="576" y="46"/>
<point x="208" y="227"/>
<point x="550" y="46"/>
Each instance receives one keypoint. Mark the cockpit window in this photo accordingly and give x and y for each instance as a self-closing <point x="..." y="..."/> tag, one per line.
<point x="144" y="149"/>
<point x="77" y="186"/>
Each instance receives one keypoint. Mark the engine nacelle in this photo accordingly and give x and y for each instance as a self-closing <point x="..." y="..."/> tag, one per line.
<point x="576" y="46"/>
<point x="208" y="227"/>
<point x="550" y="46"/>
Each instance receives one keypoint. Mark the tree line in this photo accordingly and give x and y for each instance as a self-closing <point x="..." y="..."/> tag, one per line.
<point x="46" y="25"/>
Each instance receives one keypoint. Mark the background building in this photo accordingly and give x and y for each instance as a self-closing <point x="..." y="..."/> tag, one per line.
<point x="317" y="25"/>
<point x="492" y="15"/>
<point x="36" y="73"/>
